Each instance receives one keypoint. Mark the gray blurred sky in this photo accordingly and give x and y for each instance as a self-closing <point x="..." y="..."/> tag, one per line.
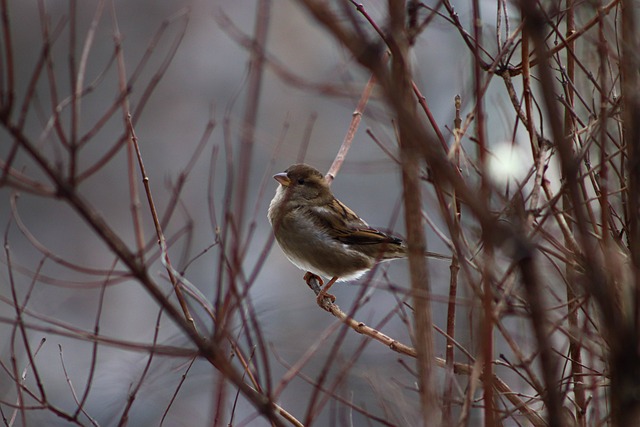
<point x="205" y="76"/>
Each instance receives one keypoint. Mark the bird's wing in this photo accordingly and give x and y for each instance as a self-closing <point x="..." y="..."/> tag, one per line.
<point x="342" y="224"/>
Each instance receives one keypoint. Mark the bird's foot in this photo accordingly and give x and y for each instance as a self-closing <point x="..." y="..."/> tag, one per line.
<point x="321" y="298"/>
<point x="309" y="275"/>
<point x="324" y="295"/>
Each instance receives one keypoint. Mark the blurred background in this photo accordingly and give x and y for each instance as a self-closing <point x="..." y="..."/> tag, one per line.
<point x="206" y="82"/>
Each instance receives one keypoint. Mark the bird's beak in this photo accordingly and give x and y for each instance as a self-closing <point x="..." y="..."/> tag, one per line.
<point x="282" y="178"/>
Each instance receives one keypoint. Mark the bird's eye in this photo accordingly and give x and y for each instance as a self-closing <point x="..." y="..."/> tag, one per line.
<point x="300" y="181"/>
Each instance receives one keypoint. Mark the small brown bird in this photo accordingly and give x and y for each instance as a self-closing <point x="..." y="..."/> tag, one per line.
<point x="321" y="235"/>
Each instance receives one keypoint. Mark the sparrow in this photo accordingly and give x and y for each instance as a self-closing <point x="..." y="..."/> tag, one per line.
<point x="321" y="235"/>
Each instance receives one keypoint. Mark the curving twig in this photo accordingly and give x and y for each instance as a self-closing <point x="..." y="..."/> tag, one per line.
<point x="395" y="345"/>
